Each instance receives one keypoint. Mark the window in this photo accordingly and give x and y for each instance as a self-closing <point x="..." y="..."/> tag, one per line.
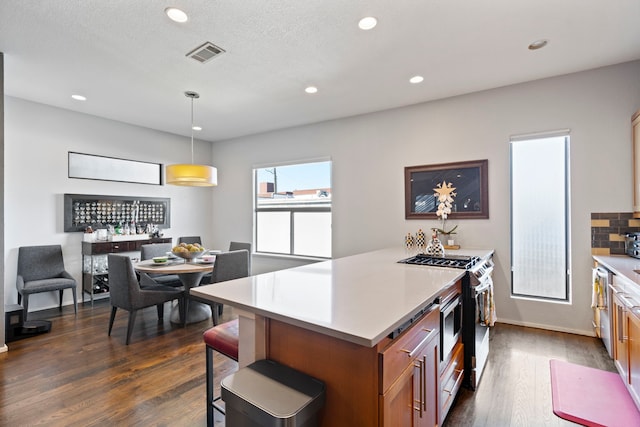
<point x="293" y="209"/>
<point x="539" y="217"/>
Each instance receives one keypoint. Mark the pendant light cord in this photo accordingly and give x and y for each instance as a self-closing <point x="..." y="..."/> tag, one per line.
<point x="192" y="130"/>
<point x="192" y="95"/>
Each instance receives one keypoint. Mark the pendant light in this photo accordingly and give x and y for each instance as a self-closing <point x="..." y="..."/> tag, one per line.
<point x="192" y="175"/>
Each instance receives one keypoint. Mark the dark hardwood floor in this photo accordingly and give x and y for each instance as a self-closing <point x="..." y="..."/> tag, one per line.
<point x="515" y="388"/>
<point x="77" y="376"/>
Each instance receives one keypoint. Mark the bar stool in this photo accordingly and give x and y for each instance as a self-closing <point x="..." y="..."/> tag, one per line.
<point x="222" y="338"/>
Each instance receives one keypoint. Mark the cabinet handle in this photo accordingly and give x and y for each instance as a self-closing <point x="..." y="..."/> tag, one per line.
<point x="424" y="383"/>
<point x="412" y="353"/>
<point x="622" y="337"/>
<point x="420" y="401"/>
<point x="458" y="376"/>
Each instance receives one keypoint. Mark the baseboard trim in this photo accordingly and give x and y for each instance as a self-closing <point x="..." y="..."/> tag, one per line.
<point x="4" y="349"/>
<point x="588" y="333"/>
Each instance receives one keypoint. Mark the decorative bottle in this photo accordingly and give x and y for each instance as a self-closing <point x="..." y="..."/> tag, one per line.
<point x="435" y="247"/>
<point x="420" y="241"/>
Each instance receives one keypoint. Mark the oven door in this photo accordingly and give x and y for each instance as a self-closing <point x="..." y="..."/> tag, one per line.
<point x="450" y="326"/>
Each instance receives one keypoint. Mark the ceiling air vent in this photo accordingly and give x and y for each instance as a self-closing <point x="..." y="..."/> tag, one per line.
<point x="205" y="52"/>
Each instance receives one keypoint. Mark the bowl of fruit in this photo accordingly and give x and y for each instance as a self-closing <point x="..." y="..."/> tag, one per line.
<point x="188" y="251"/>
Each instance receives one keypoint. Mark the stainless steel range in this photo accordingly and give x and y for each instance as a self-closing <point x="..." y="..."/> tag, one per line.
<point x="478" y="312"/>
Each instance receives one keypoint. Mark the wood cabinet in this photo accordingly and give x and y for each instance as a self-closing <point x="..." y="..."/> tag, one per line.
<point x="635" y="134"/>
<point x="620" y="339"/>
<point x="409" y="391"/>
<point x="626" y="334"/>
<point x="395" y="383"/>
<point x="95" y="275"/>
<point x="633" y="328"/>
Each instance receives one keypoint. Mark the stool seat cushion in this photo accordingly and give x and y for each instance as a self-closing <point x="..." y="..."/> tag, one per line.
<point x="223" y="338"/>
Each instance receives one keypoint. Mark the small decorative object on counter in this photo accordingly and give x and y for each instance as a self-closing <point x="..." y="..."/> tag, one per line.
<point x="409" y="243"/>
<point x="420" y="241"/>
<point x="434" y="247"/>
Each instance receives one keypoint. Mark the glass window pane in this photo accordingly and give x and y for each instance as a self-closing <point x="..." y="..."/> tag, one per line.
<point x="539" y="218"/>
<point x="313" y="233"/>
<point x="274" y="232"/>
<point x="303" y="190"/>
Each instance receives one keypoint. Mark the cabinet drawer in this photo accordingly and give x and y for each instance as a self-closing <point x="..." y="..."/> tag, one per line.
<point x="110" y="247"/>
<point x="451" y="380"/>
<point x="399" y="354"/>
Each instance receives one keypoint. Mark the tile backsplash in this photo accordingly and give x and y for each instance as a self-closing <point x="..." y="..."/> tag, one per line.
<point x="608" y="230"/>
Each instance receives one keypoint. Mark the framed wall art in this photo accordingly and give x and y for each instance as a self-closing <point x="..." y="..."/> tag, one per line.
<point x="468" y="178"/>
<point x="84" y="210"/>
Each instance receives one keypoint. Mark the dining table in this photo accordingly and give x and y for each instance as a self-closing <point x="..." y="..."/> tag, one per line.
<point x="190" y="273"/>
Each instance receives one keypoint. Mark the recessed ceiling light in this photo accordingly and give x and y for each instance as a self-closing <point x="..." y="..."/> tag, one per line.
<point x="416" y="79"/>
<point x="538" y="44"/>
<point x="79" y="97"/>
<point x="176" y="14"/>
<point x="197" y="128"/>
<point x="367" y="23"/>
<point x="311" y="89"/>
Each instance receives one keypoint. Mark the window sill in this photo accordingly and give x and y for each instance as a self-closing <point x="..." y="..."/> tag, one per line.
<point x="289" y="257"/>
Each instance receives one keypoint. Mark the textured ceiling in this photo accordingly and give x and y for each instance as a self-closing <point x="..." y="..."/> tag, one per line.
<point x="129" y="59"/>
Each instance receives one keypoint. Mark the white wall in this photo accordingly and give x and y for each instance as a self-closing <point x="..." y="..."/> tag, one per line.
<point x="37" y="140"/>
<point x="369" y="153"/>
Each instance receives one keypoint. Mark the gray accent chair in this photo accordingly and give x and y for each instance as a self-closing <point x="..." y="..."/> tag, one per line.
<point x="190" y="239"/>
<point x="236" y="246"/>
<point x="41" y="269"/>
<point x="127" y="293"/>
<point x="152" y="250"/>
<point x="228" y="266"/>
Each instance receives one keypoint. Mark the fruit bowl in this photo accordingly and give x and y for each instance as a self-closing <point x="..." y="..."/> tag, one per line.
<point x="189" y="256"/>
<point x="188" y="251"/>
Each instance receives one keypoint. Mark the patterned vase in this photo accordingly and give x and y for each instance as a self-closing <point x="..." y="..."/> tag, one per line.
<point x="409" y="242"/>
<point x="420" y="241"/>
<point x="435" y="247"/>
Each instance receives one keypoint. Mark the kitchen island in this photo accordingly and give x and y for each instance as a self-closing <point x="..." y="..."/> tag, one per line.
<point x="334" y="320"/>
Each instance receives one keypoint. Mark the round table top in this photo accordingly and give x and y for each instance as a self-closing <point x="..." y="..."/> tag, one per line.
<point x="173" y="267"/>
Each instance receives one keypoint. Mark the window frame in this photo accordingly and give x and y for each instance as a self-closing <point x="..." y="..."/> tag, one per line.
<point x="291" y="210"/>
<point x="565" y="134"/>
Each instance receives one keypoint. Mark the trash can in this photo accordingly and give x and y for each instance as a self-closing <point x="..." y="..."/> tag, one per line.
<point x="266" y="394"/>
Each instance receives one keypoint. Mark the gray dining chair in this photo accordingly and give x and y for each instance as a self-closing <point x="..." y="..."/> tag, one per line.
<point x="152" y="250"/>
<point x="190" y="239"/>
<point x="236" y="246"/>
<point x="127" y="293"/>
<point x="228" y="266"/>
<point x="41" y="269"/>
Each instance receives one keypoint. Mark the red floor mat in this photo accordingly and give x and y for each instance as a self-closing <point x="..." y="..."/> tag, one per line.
<point x="591" y="397"/>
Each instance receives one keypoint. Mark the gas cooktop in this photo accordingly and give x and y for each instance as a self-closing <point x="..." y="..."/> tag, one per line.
<point x="452" y="261"/>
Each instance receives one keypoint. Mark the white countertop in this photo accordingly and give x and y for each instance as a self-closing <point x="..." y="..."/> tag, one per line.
<point x="360" y="298"/>
<point x="622" y="265"/>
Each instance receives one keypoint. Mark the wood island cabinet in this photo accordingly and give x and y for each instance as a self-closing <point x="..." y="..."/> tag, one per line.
<point x="397" y="382"/>
<point x="410" y="373"/>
